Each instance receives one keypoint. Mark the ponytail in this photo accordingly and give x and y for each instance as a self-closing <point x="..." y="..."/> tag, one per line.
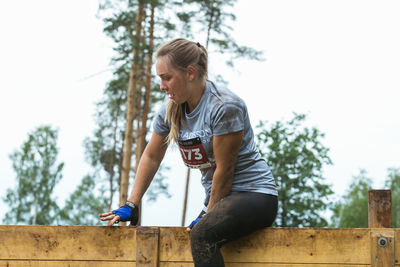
<point x="175" y="117"/>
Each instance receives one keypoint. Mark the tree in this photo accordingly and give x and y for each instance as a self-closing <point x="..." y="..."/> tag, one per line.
<point x="124" y="114"/>
<point x="352" y="210"/>
<point x="296" y="157"/>
<point x="131" y="107"/>
<point x="83" y="205"/>
<point x="37" y="174"/>
<point x="215" y="20"/>
<point x="393" y="183"/>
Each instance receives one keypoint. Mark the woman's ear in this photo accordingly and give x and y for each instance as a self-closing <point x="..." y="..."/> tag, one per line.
<point x="191" y="72"/>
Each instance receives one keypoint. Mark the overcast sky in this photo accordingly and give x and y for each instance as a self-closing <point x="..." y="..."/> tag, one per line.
<point x="336" y="61"/>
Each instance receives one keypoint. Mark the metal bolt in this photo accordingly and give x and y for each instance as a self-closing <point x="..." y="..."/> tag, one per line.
<point x="382" y="242"/>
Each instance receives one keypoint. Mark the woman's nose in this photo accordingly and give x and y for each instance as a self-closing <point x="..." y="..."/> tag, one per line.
<point x="162" y="86"/>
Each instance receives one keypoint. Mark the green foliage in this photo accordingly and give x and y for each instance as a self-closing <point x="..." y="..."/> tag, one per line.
<point x="37" y="174"/>
<point x="296" y="157"/>
<point x="214" y="19"/>
<point x="393" y="183"/>
<point x="352" y="210"/>
<point x="83" y="206"/>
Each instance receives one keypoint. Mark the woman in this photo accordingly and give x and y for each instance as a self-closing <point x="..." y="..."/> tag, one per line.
<point x="212" y="128"/>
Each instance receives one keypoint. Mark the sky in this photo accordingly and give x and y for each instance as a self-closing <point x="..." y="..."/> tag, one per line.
<point x="336" y="61"/>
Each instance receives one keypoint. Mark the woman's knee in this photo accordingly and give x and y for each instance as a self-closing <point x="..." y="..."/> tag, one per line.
<point x="199" y="234"/>
<point x="204" y="248"/>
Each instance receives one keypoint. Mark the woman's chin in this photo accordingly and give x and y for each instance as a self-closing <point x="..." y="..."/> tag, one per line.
<point x="175" y="101"/>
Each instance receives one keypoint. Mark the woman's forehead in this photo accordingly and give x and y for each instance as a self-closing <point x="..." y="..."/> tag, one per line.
<point x="162" y="66"/>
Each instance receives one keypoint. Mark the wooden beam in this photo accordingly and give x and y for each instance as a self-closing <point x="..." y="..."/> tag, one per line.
<point x="250" y="264"/>
<point x="147" y="246"/>
<point x="279" y="245"/>
<point x="97" y="243"/>
<point x="30" y="263"/>
<point x="382" y="248"/>
<point x="379" y="209"/>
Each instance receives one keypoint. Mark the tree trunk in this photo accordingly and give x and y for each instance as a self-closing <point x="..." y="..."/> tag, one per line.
<point x="139" y="113"/>
<point x="210" y="24"/>
<point x="126" y="164"/>
<point x="142" y="126"/>
<point x="112" y="173"/>
<point x="146" y="106"/>
<point x="186" y="197"/>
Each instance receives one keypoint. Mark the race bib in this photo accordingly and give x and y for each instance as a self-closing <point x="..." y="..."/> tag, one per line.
<point x="193" y="153"/>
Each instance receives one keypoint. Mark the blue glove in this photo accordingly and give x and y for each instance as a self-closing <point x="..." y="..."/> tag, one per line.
<point x="124" y="213"/>
<point x="128" y="212"/>
<point x="202" y="213"/>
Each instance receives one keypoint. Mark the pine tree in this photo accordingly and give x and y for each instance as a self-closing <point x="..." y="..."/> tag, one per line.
<point x="83" y="205"/>
<point x="393" y="183"/>
<point x="37" y="173"/>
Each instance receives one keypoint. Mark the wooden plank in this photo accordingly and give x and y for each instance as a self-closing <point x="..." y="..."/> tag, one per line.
<point x="147" y="244"/>
<point x="306" y="245"/>
<point x="66" y="263"/>
<point x="187" y="264"/>
<point x="67" y="243"/>
<point x="279" y="245"/>
<point x="379" y="209"/>
<point x="291" y="265"/>
<point x="397" y="247"/>
<point x="175" y="244"/>
<point x="382" y="247"/>
<point x="175" y="264"/>
<point x="162" y="264"/>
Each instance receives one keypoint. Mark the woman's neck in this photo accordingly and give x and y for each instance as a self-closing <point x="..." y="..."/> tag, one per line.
<point x="198" y="91"/>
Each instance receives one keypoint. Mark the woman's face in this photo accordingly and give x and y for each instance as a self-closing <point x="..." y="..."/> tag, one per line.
<point x="173" y="82"/>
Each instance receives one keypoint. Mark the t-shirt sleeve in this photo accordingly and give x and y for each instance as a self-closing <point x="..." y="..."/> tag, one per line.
<point x="160" y="126"/>
<point x="228" y="118"/>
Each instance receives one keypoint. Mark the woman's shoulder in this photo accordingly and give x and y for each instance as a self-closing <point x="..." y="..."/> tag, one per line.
<point x="221" y="96"/>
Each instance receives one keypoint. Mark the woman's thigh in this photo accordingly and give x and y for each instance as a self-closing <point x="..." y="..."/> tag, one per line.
<point x="237" y="215"/>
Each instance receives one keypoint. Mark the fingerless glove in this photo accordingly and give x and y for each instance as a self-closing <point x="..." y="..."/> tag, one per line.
<point x="128" y="212"/>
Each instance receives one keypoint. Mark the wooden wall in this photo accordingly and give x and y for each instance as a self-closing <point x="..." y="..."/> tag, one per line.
<point x="57" y="246"/>
<point x="169" y="246"/>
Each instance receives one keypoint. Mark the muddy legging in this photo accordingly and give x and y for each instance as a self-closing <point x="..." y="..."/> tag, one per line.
<point x="234" y="216"/>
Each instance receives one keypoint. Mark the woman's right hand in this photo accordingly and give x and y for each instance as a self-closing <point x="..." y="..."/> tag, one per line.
<point x="110" y="216"/>
<point x="193" y="223"/>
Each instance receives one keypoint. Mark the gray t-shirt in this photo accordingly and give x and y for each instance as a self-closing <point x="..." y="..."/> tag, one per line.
<point x="220" y="112"/>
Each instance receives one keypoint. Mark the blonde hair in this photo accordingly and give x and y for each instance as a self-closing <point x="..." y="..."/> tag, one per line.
<point x="181" y="53"/>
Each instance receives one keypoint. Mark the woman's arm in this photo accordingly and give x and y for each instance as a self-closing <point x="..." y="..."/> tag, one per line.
<point x="226" y="148"/>
<point x="148" y="166"/>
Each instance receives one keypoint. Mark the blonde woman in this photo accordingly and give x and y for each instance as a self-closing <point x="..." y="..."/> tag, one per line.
<point x="211" y="126"/>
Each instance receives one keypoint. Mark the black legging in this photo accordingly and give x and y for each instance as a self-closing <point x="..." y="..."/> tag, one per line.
<point x="234" y="216"/>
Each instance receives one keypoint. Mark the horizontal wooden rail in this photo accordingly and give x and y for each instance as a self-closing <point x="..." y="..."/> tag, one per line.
<point x="169" y="246"/>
